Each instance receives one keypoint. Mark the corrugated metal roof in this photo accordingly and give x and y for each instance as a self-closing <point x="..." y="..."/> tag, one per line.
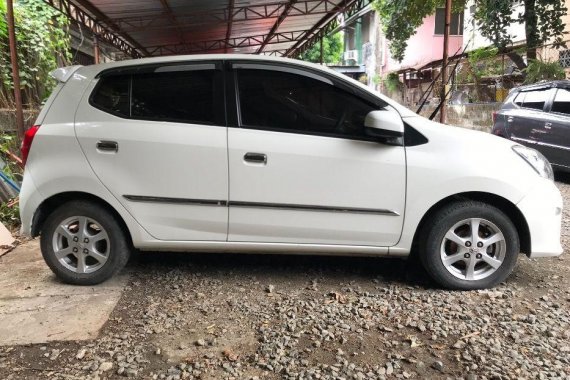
<point x="163" y="27"/>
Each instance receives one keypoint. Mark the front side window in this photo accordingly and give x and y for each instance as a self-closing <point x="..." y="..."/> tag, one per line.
<point x="296" y="103"/>
<point x="535" y="99"/>
<point x="562" y="101"/>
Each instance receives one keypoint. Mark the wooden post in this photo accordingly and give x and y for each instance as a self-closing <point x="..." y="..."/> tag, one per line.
<point x="15" y="69"/>
<point x="443" y="109"/>
<point x="96" y="51"/>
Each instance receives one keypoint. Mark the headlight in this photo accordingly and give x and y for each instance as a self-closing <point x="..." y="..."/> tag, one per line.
<point x="536" y="160"/>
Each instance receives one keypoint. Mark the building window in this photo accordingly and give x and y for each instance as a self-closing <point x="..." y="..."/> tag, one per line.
<point x="564" y="58"/>
<point x="456" y="26"/>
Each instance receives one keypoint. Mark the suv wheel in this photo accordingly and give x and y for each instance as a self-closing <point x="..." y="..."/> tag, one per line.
<point x="83" y="243"/>
<point x="469" y="245"/>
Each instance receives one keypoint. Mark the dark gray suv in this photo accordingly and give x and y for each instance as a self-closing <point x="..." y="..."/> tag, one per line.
<point x="538" y="116"/>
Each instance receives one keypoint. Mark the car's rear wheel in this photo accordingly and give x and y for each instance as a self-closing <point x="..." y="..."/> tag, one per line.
<point x="83" y="243"/>
<point x="469" y="245"/>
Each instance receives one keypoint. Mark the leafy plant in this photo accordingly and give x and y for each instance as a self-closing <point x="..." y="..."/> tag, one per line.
<point x="9" y="143"/>
<point x="538" y="70"/>
<point x="392" y="82"/>
<point x="333" y="46"/>
<point x="10" y="213"/>
<point x="542" y="20"/>
<point x="43" y="44"/>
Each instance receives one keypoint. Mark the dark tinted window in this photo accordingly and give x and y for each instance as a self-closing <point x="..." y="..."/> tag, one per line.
<point x="562" y="101"/>
<point x="112" y="95"/>
<point x="181" y="96"/>
<point x="292" y="102"/>
<point x="519" y="99"/>
<point x="455" y="27"/>
<point x="535" y="99"/>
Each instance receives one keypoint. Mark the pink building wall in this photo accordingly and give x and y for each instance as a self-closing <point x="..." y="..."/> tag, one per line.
<point x="423" y="47"/>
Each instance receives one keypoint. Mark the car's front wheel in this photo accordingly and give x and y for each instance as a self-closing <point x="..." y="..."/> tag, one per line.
<point x="469" y="245"/>
<point x="83" y="243"/>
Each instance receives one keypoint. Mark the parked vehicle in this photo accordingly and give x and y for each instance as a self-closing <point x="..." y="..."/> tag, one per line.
<point x="538" y="116"/>
<point x="244" y="153"/>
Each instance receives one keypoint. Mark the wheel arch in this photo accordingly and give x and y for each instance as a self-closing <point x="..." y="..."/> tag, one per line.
<point x="503" y="204"/>
<point x="50" y="204"/>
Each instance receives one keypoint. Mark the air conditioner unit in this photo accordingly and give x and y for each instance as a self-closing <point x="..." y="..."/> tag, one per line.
<point x="351" y="55"/>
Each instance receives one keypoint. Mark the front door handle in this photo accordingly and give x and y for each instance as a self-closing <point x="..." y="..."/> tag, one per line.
<point x="108" y="146"/>
<point x="548" y="125"/>
<point x="258" y="158"/>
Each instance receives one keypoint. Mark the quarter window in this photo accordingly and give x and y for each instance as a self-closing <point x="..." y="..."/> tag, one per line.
<point x="562" y="101"/>
<point x="535" y="99"/>
<point x="289" y="102"/>
<point x="112" y="95"/>
<point x="519" y="99"/>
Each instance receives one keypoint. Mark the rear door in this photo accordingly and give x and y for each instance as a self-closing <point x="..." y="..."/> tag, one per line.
<point x="526" y="123"/>
<point x="557" y="140"/>
<point x="302" y="170"/>
<point x="157" y="139"/>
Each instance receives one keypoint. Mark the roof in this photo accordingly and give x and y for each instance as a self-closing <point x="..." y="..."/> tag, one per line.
<point x="164" y="27"/>
<point x="545" y="84"/>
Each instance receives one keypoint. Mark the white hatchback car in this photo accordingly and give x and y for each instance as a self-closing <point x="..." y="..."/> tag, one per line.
<point x="245" y="153"/>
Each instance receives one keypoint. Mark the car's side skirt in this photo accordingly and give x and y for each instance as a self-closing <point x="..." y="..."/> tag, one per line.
<point x="278" y="248"/>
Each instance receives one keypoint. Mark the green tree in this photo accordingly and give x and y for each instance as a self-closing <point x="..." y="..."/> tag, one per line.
<point x="43" y="39"/>
<point x="333" y="46"/>
<point x="542" y="20"/>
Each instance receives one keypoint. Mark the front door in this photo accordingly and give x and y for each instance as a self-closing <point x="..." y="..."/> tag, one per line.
<point x="157" y="139"/>
<point x="302" y="169"/>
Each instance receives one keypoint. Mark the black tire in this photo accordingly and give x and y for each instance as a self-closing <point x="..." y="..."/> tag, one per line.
<point x="436" y="228"/>
<point x="118" y="250"/>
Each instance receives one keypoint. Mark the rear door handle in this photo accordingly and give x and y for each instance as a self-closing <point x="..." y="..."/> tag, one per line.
<point x="548" y="125"/>
<point x="510" y="119"/>
<point x="108" y="146"/>
<point x="258" y="158"/>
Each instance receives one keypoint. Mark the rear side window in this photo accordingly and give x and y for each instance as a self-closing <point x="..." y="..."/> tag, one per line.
<point x="112" y="95"/>
<point x="184" y="96"/>
<point x="535" y="99"/>
<point x="562" y="101"/>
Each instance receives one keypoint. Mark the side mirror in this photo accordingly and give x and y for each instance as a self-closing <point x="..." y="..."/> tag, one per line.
<point x="384" y="124"/>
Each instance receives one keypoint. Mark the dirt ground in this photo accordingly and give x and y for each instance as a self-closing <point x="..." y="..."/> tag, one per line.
<point x="223" y="316"/>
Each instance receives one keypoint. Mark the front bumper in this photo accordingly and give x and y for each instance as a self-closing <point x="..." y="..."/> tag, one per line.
<point x="542" y="209"/>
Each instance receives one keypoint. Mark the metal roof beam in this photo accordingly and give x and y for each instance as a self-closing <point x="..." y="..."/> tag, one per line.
<point x="325" y="26"/>
<point x="275" y="26"/>
<point x="101" y="17"/>
<point x="237" y="14"/>
<point x="172" y="19"/>
<point x="102" y="32"/>
<point x="207" y="46"/>
<point x="230" y="21"/>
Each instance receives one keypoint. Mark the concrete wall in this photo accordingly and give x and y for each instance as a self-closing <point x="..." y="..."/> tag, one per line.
<point x="8" y="119"/>
<point x="473" y="116"/>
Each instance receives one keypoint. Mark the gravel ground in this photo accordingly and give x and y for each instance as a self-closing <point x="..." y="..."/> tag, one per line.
<point x="291" y="317"/>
